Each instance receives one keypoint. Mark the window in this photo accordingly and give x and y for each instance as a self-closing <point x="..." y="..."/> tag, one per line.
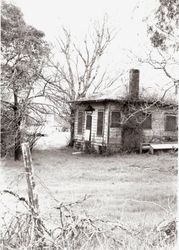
<point x="88" y="121"/>
<point x="147" y="121"/>
<point x="170" y="123"/>
<point x="115" y="119"/>
<point x="80" y="121"/>
<point x="100" y="123"/>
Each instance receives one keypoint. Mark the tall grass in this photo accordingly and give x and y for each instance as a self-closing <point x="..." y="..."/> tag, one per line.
<point x="74" y="230"/>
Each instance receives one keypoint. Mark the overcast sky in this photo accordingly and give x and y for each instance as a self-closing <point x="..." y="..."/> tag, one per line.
<point x="127" y="17"/>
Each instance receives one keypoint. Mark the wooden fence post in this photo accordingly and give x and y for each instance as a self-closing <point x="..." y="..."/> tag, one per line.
<point x="32" y="195"/>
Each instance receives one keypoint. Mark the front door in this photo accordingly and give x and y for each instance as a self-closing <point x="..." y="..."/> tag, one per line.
<point x="88" y="127"/>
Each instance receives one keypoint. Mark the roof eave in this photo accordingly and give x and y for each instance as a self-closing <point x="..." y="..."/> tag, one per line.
<point x="124" y="101"/>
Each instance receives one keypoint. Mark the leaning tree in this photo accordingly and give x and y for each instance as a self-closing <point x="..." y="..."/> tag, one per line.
<point x="24" y="53"/>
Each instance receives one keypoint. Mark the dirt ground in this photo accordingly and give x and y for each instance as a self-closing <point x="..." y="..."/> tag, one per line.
<point x="135" y="189"/>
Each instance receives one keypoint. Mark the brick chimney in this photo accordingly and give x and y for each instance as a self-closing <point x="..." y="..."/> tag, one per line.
<point x="134" y="84"/>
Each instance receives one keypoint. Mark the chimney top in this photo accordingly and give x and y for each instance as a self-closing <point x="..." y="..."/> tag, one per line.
<point x="134" y="70"/>
<point x="134" y="84"/>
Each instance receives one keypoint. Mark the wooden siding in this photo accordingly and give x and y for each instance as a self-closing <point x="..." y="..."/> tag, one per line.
<point x="94" y="138"/>
<point x="158" y="126"/>
<point x="157" y="130"/>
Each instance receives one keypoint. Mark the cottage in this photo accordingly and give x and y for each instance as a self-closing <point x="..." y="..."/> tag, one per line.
<point x="123" y="123"/>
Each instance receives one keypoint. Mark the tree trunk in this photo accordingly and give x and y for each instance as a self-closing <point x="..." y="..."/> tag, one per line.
<point x="17" y="123"/>
<point x="72" y="128"/>
<point x="17" y="149"/>
<point x="71" y="142"/>
<point x="3" y="140"/>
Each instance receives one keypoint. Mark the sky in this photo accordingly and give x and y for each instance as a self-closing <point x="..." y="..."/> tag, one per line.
<point x="127" y="18"/>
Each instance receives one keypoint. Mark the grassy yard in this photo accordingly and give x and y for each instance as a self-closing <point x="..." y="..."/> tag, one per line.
<point x="137" y="190"/>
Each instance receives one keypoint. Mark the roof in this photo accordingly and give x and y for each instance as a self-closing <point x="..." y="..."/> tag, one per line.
<point x="97" y="97"/>
<point x="113" y="96"/>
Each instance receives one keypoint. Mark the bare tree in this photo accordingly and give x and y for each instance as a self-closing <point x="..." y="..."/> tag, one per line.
<point x="78" y="73"/>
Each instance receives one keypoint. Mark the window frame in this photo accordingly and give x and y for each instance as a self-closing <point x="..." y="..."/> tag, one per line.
<point x="148" y="115"/>
<point x="165" y="124"/>
<point x="111" y="122"/>
<point x="102" y="131"/>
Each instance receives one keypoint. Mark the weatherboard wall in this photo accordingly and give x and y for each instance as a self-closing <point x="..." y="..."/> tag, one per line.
<point x="109" y="135"/>
<point x="113" y="136"/>
<point x="158" y="126"/>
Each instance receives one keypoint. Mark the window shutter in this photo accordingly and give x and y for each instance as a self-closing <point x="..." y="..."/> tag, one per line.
<point x="100" y="123"/>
